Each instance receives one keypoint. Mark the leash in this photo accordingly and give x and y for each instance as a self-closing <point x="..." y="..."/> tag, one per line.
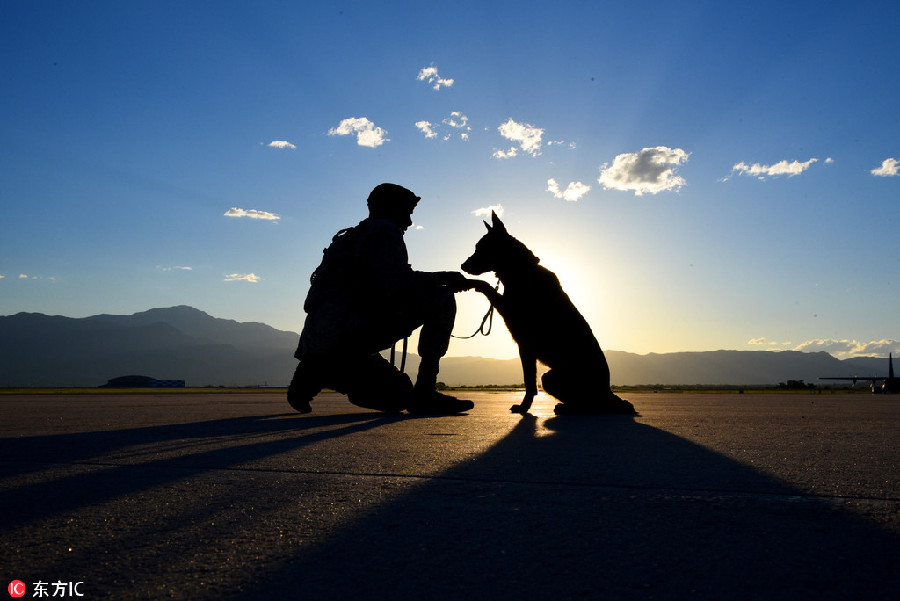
<point x="487" y="319"/>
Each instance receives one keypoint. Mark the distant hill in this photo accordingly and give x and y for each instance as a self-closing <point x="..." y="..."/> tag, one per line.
<point x="735" y="368"/>
<point x="731" y="368"/>
<point x="176" y="343"/>
<point x="184" y="343"/>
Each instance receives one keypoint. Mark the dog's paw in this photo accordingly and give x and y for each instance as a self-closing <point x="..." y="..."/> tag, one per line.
<point x="519" y="409"/>
<point x="479" y="286"/>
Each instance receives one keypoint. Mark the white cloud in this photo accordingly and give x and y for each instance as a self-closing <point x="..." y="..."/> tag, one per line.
<point x="367" y="134"/>
<point x="505" y="154"/>
<point x="652" y="170"/>
<point x="526" y="136"/>
<point x="175" y="267"/>
<point x="281" y="144"/>
<point x="486" y="211"/>
<point x="573" y="192"/>
<point x="780" y="168"/>
<point x="242" y="277"/>
<point x="25" y="276"/>
<point x="829" y="345"/>
<point x="430" y="74"/>
<point x="876" y="348"/>
<point x="850" y="348"/>
<point x="889" y="168"/>
<point x="426" y="128"/>
<point x="763" y="341"/>
<point x="456" y="120"/>
<point x="251" y="213"/>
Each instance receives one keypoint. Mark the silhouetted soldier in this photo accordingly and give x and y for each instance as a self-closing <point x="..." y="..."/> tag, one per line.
<point x="363" y="297"/>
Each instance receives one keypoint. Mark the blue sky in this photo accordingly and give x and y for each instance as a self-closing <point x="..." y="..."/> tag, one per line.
<point x="701" y="175"/>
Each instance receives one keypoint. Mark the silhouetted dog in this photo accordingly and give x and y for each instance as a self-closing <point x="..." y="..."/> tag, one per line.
<point x="546" y="326"/>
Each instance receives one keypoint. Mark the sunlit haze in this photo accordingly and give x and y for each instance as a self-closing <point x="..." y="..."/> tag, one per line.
<point x="700" y="175"/>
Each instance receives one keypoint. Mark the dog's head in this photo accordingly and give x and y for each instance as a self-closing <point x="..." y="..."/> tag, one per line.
<point x="488" y="249"/>
<point x="496" y="249"/>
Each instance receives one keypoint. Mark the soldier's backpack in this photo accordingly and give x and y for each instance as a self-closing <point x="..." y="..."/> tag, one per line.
<point x="338" y="268"/>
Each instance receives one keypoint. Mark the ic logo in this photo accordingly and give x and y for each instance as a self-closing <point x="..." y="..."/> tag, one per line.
<point x="16" y="588"/>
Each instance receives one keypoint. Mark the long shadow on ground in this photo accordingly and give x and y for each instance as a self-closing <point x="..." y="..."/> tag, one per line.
<point x="193" y="448"/>
<point x="596" y="507"/>
<point x="571" y="507"/>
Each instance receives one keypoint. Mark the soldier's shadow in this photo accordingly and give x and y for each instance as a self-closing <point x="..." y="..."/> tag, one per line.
<point x="598" y="507"/>
<point x="165" y="453"/>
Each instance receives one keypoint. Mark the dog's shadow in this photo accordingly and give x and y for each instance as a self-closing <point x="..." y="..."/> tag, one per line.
<point x="599" y="507"/>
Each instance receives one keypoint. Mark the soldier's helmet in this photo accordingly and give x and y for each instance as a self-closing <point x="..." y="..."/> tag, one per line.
<point x="387" y="200"/>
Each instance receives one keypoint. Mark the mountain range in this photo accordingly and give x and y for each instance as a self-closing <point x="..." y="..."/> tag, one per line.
<point x="187" y="344"/>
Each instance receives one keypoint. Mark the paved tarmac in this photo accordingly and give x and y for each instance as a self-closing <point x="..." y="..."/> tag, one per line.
<point x="233" y="496"/>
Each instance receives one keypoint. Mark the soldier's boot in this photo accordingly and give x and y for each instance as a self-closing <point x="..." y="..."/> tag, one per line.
<point x="428" y="401"/>
<point x="306" y="384"/>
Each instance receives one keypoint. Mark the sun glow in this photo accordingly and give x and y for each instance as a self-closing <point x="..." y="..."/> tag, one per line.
<point x="583" y="283"/>
<point x="586" y="284"/>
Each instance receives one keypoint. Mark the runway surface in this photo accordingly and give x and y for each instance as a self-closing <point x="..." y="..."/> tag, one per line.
<point x="234" y="496"/>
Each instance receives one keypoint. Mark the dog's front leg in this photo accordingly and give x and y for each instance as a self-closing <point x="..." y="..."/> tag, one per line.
<point x="529" y="371"/>
<point x="494" y="297"/>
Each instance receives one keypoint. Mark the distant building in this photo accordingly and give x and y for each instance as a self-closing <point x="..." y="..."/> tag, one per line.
<point x="142" y="382"/>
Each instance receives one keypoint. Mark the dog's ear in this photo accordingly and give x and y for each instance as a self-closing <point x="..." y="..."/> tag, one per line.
<point x="498" y="225"/>
<point x="487" y="225"/>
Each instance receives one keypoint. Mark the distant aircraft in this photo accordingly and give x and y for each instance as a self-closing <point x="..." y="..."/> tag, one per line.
<point x="889" y="384"/>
